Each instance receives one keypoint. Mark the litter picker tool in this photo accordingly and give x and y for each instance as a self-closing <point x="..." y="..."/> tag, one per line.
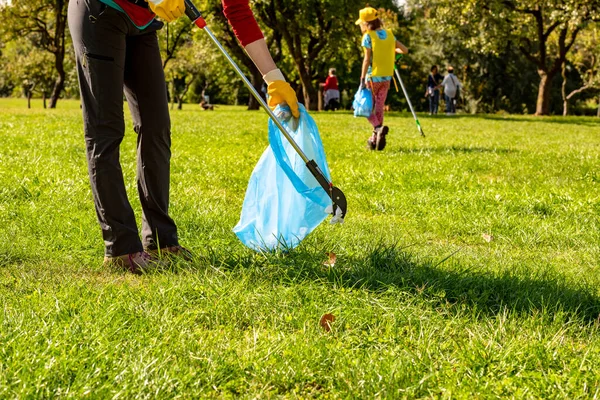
<point x="412" y="110"/>
<point x="338" y="198"/>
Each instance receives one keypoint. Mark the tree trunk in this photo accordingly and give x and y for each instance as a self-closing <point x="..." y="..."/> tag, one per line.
<point x="320" y="105"/>
<point x="60" y="81"/>
<point x="563" y="89"/>
<point x="309" y="92"/>
<point x="44" y="98"/>
<point x="543" y="100"/>
<point x="311" y="101"/>
<point x="598" y="113"/>
<point x="59" y="50"/>
<point x="29" y="99"/>
<point x="257" y="82"/>
<point x="173" y="94"/>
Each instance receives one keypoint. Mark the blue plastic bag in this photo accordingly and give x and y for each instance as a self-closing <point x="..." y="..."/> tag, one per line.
<point x="363" y="102"/>
<point x="284" y="202"/>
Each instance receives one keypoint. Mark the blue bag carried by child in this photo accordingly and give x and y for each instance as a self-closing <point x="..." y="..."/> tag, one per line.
<point x="363" y="102"/>
<point x="284" y="202"/>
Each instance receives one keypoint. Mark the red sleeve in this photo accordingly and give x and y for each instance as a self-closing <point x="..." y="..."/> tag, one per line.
<point x="242" y="20"/>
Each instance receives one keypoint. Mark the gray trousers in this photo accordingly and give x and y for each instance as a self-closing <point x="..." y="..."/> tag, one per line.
<point x="114" y="56"/>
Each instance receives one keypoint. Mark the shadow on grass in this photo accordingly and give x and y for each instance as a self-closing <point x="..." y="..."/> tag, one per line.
<point x="8" y="258"/>
<point x="582" y="121"/>
<point x="387" y="266"/>
<point x="452" y="149"/>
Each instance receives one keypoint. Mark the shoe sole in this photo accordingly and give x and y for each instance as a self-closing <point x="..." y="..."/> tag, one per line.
<point x="381" y="141"/>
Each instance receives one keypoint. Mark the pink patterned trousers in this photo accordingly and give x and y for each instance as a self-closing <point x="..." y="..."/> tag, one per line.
<point x="379" y="90"/>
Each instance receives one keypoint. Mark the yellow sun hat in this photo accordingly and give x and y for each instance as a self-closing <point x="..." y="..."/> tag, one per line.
<point x="367" y="14"/>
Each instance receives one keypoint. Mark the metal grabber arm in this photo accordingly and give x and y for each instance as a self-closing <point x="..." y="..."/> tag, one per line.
<point x="337" y="197"/>
<point x="412" y="110"/>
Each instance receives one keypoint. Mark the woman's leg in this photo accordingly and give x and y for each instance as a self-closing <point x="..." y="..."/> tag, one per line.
<point x="146" y="93"/>
<point x="98" y="34"/>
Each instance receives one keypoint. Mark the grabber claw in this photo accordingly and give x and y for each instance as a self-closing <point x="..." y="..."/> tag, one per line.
<point x="339" y="207"/>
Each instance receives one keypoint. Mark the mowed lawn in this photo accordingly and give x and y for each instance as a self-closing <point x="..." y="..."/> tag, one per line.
<point x="468" y="266"/>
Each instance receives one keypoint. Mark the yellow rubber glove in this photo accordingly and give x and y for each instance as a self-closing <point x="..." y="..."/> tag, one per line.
<point x="168" y="10"/>
<point x="281" y="92"/>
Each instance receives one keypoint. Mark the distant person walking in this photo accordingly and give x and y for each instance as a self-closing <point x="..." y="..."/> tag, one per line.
<point x="451" y="86"/>
<point x="331" y="91"/>
<point x="434" y="83"/>
<point x="378" y="67"/>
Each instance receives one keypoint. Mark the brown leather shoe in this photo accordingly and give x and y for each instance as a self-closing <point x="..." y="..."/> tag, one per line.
<point x="136" y="263"/>
<point x="172" y="251"/>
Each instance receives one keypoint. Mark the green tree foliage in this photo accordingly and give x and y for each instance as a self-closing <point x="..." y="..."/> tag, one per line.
<point x="6" y="83"/>
<point x="195" y="67"/>
<point x="585" y="59"/>
<point x="173" y="37"/>
<point x="491" y="81"/>
<point x="30" y="68"/>
<point x="544" y="31"/>
<point x="507" y="53"/>
<point x="179" y="40"/>
<point x="44" y="24"/>
<point x="220" y="27"/>
<point x="180" y="66"/>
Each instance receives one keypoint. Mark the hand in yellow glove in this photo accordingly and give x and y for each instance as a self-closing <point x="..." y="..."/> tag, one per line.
<point x="168" y="10"/>
<point x="280" y="91"/>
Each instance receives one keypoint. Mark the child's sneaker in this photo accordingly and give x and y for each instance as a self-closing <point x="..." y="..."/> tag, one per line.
<point x="372" y="141"/>
<point x="381" y="134"/>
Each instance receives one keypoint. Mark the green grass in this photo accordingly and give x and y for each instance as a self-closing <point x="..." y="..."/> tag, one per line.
<point x="425" y="307"/>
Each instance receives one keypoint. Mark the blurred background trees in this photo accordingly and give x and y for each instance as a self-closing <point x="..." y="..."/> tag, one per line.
<point x="515" y="56"/>
<point x="41" y="25"/>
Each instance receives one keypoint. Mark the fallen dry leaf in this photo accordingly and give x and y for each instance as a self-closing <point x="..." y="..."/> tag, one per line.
<point x="326" y="321"/>
<point x="486" y="237"/>
<point x="331" y="261"/>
